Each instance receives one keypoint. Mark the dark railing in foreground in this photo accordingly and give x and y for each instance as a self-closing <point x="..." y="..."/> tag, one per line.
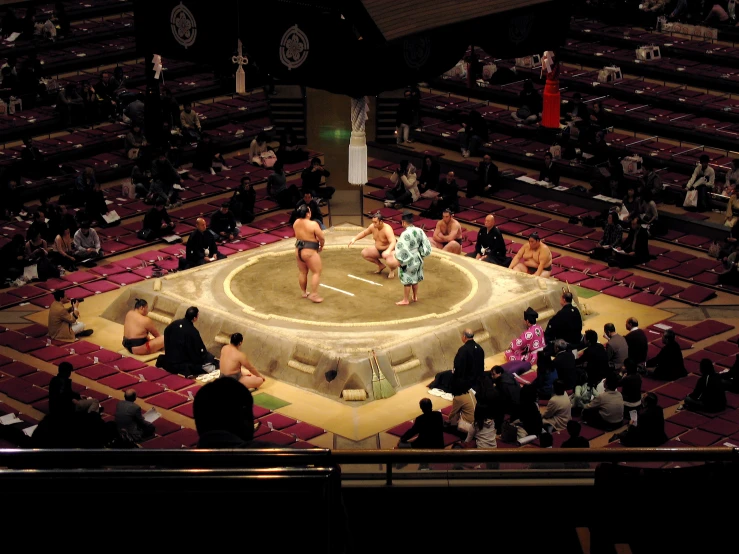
<point x="17" y="459"/>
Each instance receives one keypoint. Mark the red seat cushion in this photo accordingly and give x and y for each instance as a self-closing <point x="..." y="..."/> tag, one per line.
<point x="278" y="421"/>
<point x="674" y="390"/>
<point x="640" y="282"/>
<point x="161" y="443"/>
<point x="150" y="373"/>
<point x="559" y="240"/>
<point x="96" y="372"/>
<point x="54" y="284"/>
<point x="400" y="430"/>
<point x="18" y="369"/>
<point x="584" y="245"/>
<point x="27" y="291"/>
<point x="29" y="345"/>
<point x="721" y="427"/>
<point x="185" y="437"/>
<point x="698" y="437"/>
<point x="79" y="292"/>
<point x="512" y="228"/>
<point x="259" y="411"/>
<point x="723" y="348"/>
<point x="119" y="381"/>
<point x="571" y="277"/>
<point x="168" y="400"/>
<point x="277" y="438"/>
<point x="305" y="431"/>
<point x="106" y="356"/>
<point x="28" y="395"/>
<point x="50" y="353"/>
<point x="696" y="294"/>
<point x="164" y="427"/>
<point x="99" y="287"/>
<point x="42" y="379"/>
<point x="125" y="278"/>
<point x="175" y="382"/>
<point x="82" y="347"/>
<point x="127" y="363"/>
<point x="185" y="409"/>
<point x="689" y="420"/>
<point x="679" y="256"/>
<point x="78" y="277"/>
<point x="662" y="264"/>
<point x="647" y="299"/>
<point x="36" y="331"/>
<point x="145" y="389"/>
<point x="619" y="291"/>
<point x="703" y="330"/>
<point x="595" y="284"/>
<point x="77" y="361"/>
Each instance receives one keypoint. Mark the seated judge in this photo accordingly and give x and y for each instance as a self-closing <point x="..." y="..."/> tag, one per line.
<point x="668" y="365"/>
<point x="129" y="418"/>
<point x="186" y="352"/>
<point x="223" y="224"/>
<point x="490" y="246"/>
<point x="315" y="210"/>
<point x="428" y="429"/>
<point x="201" y="246"/>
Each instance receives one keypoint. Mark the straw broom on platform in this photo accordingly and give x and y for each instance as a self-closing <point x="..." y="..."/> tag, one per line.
<point x="381" y="387"/>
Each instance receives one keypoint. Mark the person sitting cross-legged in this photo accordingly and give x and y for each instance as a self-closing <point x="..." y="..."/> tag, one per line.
<point x="648" y="430"/>
<point x="559" y="409"/>
<point x="128" y="417"/>
<point x="606" y="411"/>
<point x="709" y="395"/>
<point x="235" y="365"/>
<point x="448" y="234"/>
<point x="490" y="246"/>
<point x="223" y="224"/>
<point x="428" y="429"/>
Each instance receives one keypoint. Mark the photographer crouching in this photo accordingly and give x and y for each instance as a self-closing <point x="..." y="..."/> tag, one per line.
<point x="64" y="323"/>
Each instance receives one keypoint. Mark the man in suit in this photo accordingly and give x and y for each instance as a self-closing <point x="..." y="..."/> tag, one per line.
<point x="315" y="210"/>
<point x="617" y="349"/>
<point x="637" y="341"/>
<point x="510" y="395"/>
<point x="448" y="196"/>
<point x="185" y="351"/>
<point x="564" y="364"/>
<point x="490" y="246"/>
<point x="428" y="428"/>
<point x="549" y="172"/>
<point x="128" y="417"/>
<point x="594" y="360"/>
<point x="63" y="400"/>
<point x="635" y="249"/>
<point x="487" y="178"/>
<point x="566" y="323"/>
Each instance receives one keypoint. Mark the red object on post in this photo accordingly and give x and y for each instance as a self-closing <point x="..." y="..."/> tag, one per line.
<point x="552" y="100"/>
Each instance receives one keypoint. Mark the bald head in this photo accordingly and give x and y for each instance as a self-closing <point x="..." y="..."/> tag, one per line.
<point x="468" y="334"/>
<point x="489" y="221"/>
<point x="130" y="395"/>
<point x="200" y="224"/>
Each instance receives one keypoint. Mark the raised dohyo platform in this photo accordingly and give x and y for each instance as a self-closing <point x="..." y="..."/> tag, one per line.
<point x="296" y="341"/>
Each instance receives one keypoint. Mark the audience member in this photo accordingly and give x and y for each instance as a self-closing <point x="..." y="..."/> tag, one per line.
<point x="64" y="324"/>
<point x="637" y="341"/>
<point x="63" y="400"/>
<point x="612" y="237"/>
<point x="404" y="119"/>
<point x="135" y="142"/>
<point x="617" y="349"/>
<point x="190" y="123"/>
<point x="546" y="375"/>
<point x="530" y="102"/>
<point x="223" y="224"/>
<point x="164" y="177"/>
<point x="575" y="441"/>
<point x="635" y="249"/>
<point x="406" y="188"/>
<point x="106" y="89"/>
<point x="482" y="431"/>
<point x="259" y="151"/>
<point x="285" y="195"/>
<point x="235" y="365"/>
<point x="529" y="420"/>
<point x="490" y="246"/>
<point x="487" y="178"/>
<point x="648" y="430"/>
<point x="315" y="209"/>
<point x="668" y="365"/>
<point x="558" y="412"/>
<point x="135" y="111"/>
<point x="447" y="198"/>
<point x="186" y="352"/>
<point x="430" y="174"/>
<point x="510" y="394"/>
<point x="64" y="250"/>
<point x="243" y="200"/>
<point x="13" y="258"/>
<point x="594" y="359"/>
<point x="708" y="395"/>
<point x="129" y="418"/>
<point x="207" y="158"/>
<point x="565" y="364"/>
<point x="87" y="243"/>
<point x="428" y="429"/>
<point x="550" y="172"/>
<point x="703" y="178"/>
<point x="140" y="334"/>
<point x="224" y="418"/>
<point x="157" y="222"/>
<point x="630" y="386"/>
<point x="475" y="134"/>
<point x="606" y="411"/>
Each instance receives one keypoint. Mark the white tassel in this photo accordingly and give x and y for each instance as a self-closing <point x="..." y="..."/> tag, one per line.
<point x="240" y="75"/>
<point x="358" y="142"/>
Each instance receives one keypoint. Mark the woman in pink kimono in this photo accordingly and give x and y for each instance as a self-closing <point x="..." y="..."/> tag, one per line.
<point x="525" y="347"/>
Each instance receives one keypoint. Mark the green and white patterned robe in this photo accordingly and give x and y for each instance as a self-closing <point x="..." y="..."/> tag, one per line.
<point x="412" y="247"/>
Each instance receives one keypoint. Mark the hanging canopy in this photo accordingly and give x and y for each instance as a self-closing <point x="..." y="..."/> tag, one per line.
<point x="352" y="47"/>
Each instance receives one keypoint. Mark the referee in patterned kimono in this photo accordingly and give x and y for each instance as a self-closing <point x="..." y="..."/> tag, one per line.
<point x="410" y="250"/>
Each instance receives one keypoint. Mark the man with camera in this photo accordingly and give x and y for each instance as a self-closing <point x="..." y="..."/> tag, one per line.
<point x="64" y="323"/>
